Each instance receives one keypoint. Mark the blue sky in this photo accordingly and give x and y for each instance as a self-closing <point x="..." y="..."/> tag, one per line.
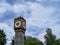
<point x="39" y="14"/>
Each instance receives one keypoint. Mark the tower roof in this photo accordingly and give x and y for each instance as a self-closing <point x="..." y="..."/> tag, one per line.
<point x="20" y="18"/>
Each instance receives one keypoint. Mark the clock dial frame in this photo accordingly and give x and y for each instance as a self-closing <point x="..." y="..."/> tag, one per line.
<point x="17" y="24"/>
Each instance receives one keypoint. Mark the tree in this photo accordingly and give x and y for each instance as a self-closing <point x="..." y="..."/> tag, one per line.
<point x="2" y="38"/>
<point x="32" y="41"/>
<point x="12" y="41"/>
<point x="57" y="42"/>
<point x="49" y="37"/>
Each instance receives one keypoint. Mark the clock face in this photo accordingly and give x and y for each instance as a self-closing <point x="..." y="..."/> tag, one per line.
<point x="24" y="25"/>
<point x="17" y="23"/>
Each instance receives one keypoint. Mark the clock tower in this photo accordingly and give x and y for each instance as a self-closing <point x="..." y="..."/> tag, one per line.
<point x="19" y="28"/>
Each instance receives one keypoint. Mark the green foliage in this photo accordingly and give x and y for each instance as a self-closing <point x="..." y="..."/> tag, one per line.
<point x="2" y="38"/>
<point x="57" y="42"/>
<point x="13" y="41"/>
<point x="32" y="41"/>
<point x="50" y="38"/>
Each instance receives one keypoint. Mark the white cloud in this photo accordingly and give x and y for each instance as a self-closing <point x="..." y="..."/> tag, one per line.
<point x="41" y="35"/>
<point x="18" y="8"/>
<point x="48" y="0"/>
<point x="4" y="7"/>
<point x="55" y="0"/>
<point x="56" y="30"/>
<point x="40" y="17"/>
<point x="21" y="10"/>
<point x="8" y="30"/>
